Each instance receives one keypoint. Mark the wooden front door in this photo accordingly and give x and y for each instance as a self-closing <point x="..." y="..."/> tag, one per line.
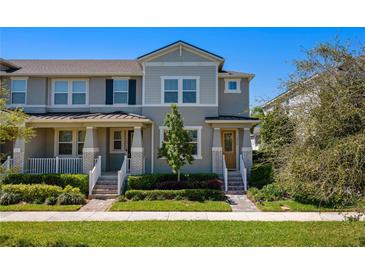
<point x="229" y="147"/>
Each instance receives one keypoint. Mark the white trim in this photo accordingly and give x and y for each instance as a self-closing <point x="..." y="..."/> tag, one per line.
<point x="198" y="128"/>
<point x="119" y="91"/>
<point x="152" y="147"/>
<point x="238" y="83"/>
<point x="25" y="91"/>
<point x="143" y="83"/>
<point x="122" y="140"/>
<point x="69" y="92"/>
<point x="180" y="80"/>
<point x="217" y="148"/>
<point x="217" y="85"/>
<point x="180" y="64"/>
<point x="237" y="149"/>
<point x="136" y="149"/>
<point x="90" y="149"/>
<point x="246" y="148"/>
<point x="17" y="149"/>
<point x="68" y="106"/>
<point x="121" y="78"/>
<point x="74" y="142"/>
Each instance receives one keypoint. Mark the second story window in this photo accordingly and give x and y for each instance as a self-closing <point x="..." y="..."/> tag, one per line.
<point x="180" y="90"/>
<point x="232" y="86"/>
<point x="120" y="91"/>
<point x="70" y="92"/>
<point x="18" y="91"/>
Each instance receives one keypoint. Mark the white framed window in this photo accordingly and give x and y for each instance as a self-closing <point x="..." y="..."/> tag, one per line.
<point x="232" y="86"/>
<point x="117" y="138"/>
<point x="19" y="91"/>
<point x="69" y="142"/>
<point x="70" y="92"/>
<point x="120" y="91"/>
<point x="195" y="134"/>
<point x="181" y="90"/>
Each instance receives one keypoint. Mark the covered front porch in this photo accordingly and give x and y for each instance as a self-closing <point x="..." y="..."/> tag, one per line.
<point x="74" y="142"/>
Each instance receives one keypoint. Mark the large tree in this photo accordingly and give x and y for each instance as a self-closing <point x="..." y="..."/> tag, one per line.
<point x="12" y="122"/>
<point x="176" y="146"/>
<point x="327" y="165"/>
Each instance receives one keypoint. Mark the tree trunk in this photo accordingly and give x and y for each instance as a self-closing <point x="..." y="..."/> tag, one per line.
<point x="178" y="175"/>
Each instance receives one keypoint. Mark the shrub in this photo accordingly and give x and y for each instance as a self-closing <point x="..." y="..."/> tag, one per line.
<point x="51" y="200"/>
<point x="35" y="192"/>
<point x="268" y="193"/>
<point x="9" y="198"/>
<point x="76" y="180"/>
<point x="169" y="181"/>
<point x="70" y="198"/>
<point x="261" y="174"/>
<point x="188" y="194"/>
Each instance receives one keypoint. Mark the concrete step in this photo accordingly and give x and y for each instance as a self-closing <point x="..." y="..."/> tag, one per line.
<point x="235" y="192"/>
<point x="105" y="191"/>
<point x="107" y="182"/>
<point x="230" y="187"/>
<point x="109" y="177"/>
<point x="105" y="186"/>
<point x="103" y="196"/>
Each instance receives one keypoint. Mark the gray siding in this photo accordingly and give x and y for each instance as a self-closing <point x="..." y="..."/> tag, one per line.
<point x="186" y="56"/>
<point x="192" y="117"/>
<point x="37" y="91"/>
<point x="234" y="103"/>
<point x="207" y="81"/>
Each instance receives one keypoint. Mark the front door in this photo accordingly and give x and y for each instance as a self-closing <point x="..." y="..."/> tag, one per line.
<point x="229" y="147"/>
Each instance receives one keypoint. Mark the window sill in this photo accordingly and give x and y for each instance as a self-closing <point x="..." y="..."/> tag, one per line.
<point x="232" y="91"/>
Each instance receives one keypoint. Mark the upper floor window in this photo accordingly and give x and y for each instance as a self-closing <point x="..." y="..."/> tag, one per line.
<point x="18" y="91"/>
<point x="232" y="86"/>
<point x="180" y="90"/>
<point x="120" y="91"/>
<point x="70" y="92"/>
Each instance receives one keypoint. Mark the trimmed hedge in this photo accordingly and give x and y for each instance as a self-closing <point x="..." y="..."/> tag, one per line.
<point x="33" y="193"/>
<point x="261" y="174"/>
<point x="76" y="180"/>
<point x="169" y="181"/>
<point x="183" y="194"/>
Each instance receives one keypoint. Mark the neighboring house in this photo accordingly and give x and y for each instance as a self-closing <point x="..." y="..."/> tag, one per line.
<point x="83" y="109"/>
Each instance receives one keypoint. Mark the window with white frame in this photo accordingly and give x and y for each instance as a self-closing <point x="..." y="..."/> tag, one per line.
<point x="232" y="86"/>
<point x="18" y="91"/>
<point x="70" y="92"/>
<point x="116" y="140"/>
<point x="195" y="135"/>
<point x="120" y="91"/>
<point x="80" y="141"/>
<point x="180" y="90"/>
<point x="65" y="139"/>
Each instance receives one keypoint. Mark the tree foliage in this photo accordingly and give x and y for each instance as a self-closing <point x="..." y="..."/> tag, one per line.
<point x="327" y="164"/>
<point x="176" y="147"/>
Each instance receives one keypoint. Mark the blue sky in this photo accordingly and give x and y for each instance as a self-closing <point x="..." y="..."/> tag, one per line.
<point x="266" y="52"/>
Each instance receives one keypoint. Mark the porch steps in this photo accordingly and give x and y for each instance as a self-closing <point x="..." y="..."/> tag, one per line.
<point x="235" y="183"/>
<point x="106" y="187"/>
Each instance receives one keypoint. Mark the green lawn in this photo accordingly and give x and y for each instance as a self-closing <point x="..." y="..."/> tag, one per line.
<point x="171" y="205"/>
<point x="290" y="205"/>
<point x="37" y="207"/>
<point x="182" y="233"/>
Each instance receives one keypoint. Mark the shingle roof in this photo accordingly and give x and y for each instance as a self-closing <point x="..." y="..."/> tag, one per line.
<point x="75" y="67"/>
<point x="74" y="116"/>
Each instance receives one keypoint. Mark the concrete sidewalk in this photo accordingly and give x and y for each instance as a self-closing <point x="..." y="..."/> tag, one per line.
<point x="169" y="216"/>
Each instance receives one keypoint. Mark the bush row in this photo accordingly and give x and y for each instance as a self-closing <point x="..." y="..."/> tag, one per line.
<point x="269" y="193"/>
<point x="80" y="181"/>
<point x="40" y="193"/>
<point x="169" y="181"/>
<point x="183" y="194"/>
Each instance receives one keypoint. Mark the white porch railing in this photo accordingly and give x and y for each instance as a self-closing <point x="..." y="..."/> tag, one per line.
<point x="8" y="164"/>
<point x="225" y="174"/>
<point x="55" y="165"/>
<point x="243" y="172"/>
<point x="122" y="173"/>
<point x="94" y="175"/>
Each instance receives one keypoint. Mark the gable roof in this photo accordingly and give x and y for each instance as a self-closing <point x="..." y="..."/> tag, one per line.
<point x="177" y="44"/>
<point x="74" y="67"/>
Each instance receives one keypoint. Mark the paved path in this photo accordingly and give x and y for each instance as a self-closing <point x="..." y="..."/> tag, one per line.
<point x="97" y="205"/>
<point x="169" y="216"/>
<point x="240" y="203"/>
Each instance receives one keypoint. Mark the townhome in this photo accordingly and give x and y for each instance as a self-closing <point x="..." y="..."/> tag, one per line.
<point x="111" y="112"/>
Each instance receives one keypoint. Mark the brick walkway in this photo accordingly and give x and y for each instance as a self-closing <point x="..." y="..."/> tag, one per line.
<point x="97" y="205"/>
<point x="169" y="216"/>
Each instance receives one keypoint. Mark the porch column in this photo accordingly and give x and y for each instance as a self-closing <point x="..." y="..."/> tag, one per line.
<point x="217" y="156"/>
<point x="247" y="149"/>
<point x="137" y="153"/>
<point x="90" y="150"/>
<point x="19" y="154"/>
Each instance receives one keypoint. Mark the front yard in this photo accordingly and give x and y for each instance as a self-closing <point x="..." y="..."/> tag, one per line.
<point x="171" y="205"/>
<point x="182" y="233"/>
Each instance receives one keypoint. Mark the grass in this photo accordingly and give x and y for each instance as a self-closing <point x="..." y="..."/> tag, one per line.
<point x="182" y="233"/>
<point x="290" y="205"/>
<point x="171" y="205"/>
<point x="39" y="207"/>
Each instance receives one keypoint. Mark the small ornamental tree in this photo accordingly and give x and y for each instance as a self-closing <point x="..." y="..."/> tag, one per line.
<point x="176" y="146"/>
